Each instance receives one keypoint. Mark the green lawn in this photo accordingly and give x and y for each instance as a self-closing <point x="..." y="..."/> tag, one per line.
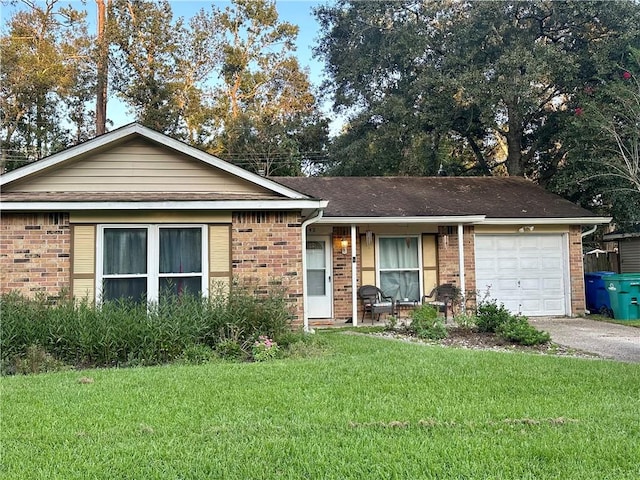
<point x="370" y="408"/>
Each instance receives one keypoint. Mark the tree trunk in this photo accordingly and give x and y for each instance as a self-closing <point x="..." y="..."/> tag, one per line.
<point x="102" y="69"/>
<point x="515" y="160"/>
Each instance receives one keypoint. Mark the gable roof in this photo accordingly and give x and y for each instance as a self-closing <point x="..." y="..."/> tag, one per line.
<point x="31" y="188"/>
<point x="127" y="133"/>
<point x="496" y="199"/>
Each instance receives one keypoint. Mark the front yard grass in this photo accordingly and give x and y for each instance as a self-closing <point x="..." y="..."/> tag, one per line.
<point x="370" y="408"/>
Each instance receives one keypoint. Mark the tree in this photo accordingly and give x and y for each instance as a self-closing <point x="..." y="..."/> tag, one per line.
<point x="45" y="73"/>
<point x="488" y="82"/>
<point x="602" y="167"/>
<point x="264" y="109"/>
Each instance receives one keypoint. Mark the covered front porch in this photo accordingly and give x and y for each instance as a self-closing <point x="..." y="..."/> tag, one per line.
<point x="405" y="257"/>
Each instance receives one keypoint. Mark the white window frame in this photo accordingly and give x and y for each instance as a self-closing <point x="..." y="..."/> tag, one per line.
<point x="419" y="268"/>
<point x="153" y="274"/>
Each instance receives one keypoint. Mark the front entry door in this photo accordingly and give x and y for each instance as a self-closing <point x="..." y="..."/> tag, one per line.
<point x="319" y="298"/>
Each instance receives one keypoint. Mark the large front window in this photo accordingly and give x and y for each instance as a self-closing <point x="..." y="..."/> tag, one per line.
<point x="143" y="262"/>
<point x="399" y="267"/>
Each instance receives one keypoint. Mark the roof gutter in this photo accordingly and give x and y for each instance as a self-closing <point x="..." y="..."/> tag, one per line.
<point x="549" y="221"/>
<point x="440" y="220"/>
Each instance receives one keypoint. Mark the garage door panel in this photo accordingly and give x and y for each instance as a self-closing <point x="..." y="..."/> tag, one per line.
<point x="524" y="272"/>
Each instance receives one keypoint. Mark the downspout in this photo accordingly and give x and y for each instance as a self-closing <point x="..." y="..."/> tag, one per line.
<point x="305" y="300"/>
<point x="354" y="279"/>
<point x="589" y="232"/>
<point x="461" y="263"/>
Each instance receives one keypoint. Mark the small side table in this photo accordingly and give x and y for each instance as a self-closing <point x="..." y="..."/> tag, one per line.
<point x="405" y="304"/>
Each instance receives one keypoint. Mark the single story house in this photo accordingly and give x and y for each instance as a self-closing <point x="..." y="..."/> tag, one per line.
<point x="134" y="212"/>
<point x="628" y="249"/>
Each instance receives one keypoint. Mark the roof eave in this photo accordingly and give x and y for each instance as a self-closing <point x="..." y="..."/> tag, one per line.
<point x="548" y="221"/>
<point x="285" y="204"/>
<point x="444" y="219"/>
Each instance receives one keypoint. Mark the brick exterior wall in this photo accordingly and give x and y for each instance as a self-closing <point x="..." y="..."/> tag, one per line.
<point x="576" y="271"/>
<point x="266" y="252"/>
<point x="448" y="260"/>
<point x="35" y="251"/>
<point x="341" y="277"/>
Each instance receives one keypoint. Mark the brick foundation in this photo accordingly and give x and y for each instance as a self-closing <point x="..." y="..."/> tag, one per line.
<point x="265" y="252"/>
<point x="35" y="251"/>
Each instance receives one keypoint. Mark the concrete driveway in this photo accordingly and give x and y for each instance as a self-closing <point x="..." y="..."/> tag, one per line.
<point x="609" y="340"/>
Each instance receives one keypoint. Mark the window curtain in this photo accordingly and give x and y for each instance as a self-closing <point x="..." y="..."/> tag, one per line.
<point x="180" y="250"/>
<point x="125" y="251"/>
<point x="399" y="265"/>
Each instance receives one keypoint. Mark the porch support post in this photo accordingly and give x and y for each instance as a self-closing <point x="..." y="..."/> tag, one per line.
<point x="354" y="278"/>
<point x="461" y="264"/>
<point x="305" y="299"/>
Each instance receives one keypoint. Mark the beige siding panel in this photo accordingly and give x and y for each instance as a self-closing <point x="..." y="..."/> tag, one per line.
<point x="137" y="166"/>
<point x="513" y="229"/>
<point x="84" y="243"/>
<point x="150" y="217"/>
<point x="220" y="249"/>
<point x="84" y="288"/>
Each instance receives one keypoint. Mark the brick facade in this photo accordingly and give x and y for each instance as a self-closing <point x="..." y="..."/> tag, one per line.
<point x="342" y="265"/>
<point x="35" y="253"/>
<point x="449" y="261"/>
<point x="576" y="270"/>
<point x="266" y="252"/>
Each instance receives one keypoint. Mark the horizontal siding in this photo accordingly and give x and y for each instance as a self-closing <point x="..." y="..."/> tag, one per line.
<point x="630" y="255"/>
<point x="137" y="166"/>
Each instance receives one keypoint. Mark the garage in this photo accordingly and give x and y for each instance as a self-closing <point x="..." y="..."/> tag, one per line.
<point x="527" y="273"/>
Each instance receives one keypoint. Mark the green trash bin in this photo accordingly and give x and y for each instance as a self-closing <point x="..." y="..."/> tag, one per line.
<point x="624" y="293"/>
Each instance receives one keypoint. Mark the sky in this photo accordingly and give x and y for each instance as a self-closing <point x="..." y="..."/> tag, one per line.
<point x="298" y="12"/>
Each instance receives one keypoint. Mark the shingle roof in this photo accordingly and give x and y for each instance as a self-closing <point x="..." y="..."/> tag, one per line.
<point x="495" y="197"/>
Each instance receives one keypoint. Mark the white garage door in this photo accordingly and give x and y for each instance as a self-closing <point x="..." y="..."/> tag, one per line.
<point x="525" y="272"/>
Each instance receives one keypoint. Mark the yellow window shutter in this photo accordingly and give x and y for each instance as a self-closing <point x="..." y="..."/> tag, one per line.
<point x="367" y="261"/>
<point x="429" y="263"/>
<point x="219" y="258"/>
<point x="83" y="261"/>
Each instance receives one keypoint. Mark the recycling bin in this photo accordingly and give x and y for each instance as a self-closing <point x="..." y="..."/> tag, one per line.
<point x="597" y="294"/>
<point x="624" y="294"/>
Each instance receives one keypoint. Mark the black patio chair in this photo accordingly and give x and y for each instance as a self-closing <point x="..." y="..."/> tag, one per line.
<point x="375" y="301"/>
<point x="444" y="298"/>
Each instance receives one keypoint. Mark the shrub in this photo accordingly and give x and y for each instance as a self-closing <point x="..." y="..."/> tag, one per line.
<point x="36" y="360"/>
<point x="264" y="349"/>
<point x="426" y="324"/>
<point x="230" y="349"/>
<point x="465" y="320"/>
<point x="490" y="316"/>
<point x="197" y="354"/>
<point x="126" y="332"/>
<point x="517" y="329"/>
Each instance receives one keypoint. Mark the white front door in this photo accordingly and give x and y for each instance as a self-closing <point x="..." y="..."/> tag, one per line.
<point x="319" y="298"/>
<point x="527" y="273"/>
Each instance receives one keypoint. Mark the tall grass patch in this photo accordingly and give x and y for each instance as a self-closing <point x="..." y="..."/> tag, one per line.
<point x="126" y="332"/>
